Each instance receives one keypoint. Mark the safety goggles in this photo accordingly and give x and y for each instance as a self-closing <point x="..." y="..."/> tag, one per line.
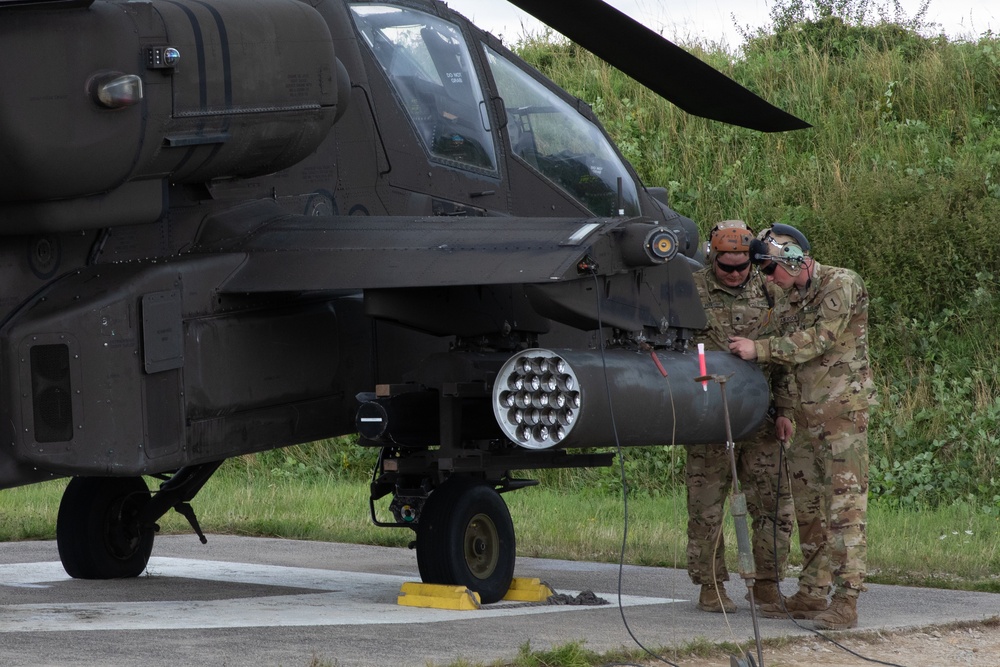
<point x="732" y="268"/>
<point x="791" y="266"/>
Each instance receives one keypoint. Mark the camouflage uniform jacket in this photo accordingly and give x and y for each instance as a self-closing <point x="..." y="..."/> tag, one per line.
<point x="829" y="345"/>
<point x="751" y="311"/>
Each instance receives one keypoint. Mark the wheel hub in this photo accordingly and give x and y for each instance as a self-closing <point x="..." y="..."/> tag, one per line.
<point x="482" y="548"/>
<point x="122" y="529"/>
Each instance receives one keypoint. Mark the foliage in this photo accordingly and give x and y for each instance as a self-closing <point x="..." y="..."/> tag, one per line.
<point x="899" y="179"/>
<point x="841" y="28"/>
<point x="650" y="472"/>
<point x="567" y="655"/>
<point x="334" y="458"/>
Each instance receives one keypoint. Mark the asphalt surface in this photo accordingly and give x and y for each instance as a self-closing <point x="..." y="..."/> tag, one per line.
<point x="257" y="601"/>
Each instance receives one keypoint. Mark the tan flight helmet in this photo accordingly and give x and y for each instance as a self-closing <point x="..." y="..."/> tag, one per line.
<point x="783" y="244"/>
<point x="729" y="236"/>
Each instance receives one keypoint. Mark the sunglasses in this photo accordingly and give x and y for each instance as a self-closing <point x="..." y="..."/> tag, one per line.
<point x="732" y="268"/>
<point x="769" y="268"/>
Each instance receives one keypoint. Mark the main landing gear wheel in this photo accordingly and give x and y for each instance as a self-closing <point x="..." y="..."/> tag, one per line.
<point x="98" y="531"/>
<point x="465" y="536"/>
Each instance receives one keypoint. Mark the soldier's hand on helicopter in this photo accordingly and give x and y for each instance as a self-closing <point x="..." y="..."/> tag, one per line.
<point x="783" y="428"/>
<point x="743" y="348"/>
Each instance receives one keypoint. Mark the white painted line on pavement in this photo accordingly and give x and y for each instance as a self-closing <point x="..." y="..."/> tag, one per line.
<point x="341" y="598"/>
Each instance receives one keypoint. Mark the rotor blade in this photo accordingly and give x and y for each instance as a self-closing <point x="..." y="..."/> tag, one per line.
<point x="658" y="64"/>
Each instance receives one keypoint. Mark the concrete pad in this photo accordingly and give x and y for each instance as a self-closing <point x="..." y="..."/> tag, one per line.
<point x="260" y="601"/>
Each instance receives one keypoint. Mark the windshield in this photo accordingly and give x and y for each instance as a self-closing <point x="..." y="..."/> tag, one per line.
<point x="428" y="63"/>
<point x="551" y="136"/>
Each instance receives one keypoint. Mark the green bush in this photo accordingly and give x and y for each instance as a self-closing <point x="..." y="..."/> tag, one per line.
<point x="337" y="458"/>
<point x="650" y="472"/>
<point x="898" y="178"/>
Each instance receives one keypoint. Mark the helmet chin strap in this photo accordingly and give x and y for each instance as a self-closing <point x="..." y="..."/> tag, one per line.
<point x="809" y="269"/>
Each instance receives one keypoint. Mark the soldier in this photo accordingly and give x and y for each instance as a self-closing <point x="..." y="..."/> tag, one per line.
<point x="737" y="302"/>
<point x="828" y="462"/>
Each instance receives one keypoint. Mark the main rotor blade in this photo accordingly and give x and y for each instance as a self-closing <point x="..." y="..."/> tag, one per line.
<point x="658" y="64"/>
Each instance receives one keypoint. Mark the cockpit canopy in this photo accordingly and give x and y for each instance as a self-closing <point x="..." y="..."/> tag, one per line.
<point x="552" y="136"/>
<point x="428" y="62"/>
<point x="430" y="68"/>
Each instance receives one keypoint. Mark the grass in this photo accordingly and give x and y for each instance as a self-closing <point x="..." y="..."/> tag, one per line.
<point x="952" y="546"/>
<point x="898" y="178"/>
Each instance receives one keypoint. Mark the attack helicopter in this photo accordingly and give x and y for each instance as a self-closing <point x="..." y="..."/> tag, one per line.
<point x="235" y="225"/>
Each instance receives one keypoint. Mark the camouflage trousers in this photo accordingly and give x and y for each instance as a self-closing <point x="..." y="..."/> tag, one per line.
<point x="709" y="482"/>
<point x="828" y="467"/>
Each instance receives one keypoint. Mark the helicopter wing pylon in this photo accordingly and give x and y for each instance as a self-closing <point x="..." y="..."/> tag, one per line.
<point x="302" y="253"/>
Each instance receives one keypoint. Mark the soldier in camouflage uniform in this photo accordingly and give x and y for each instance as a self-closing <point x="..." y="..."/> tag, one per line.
<point x="738" y="301"/>
<point x="828" y="462"/>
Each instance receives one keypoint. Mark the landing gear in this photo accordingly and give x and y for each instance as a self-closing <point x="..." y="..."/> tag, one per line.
<point x="99" y="531"/>
<point x="106" y="524"/>
<point x="465" y="536"/>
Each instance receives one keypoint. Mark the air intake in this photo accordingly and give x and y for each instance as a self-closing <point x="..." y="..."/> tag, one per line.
<point x="52" y="405"/>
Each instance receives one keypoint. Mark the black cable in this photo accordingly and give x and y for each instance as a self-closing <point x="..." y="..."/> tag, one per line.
<point x="624" y="482"/>
<point x="621" y="466"/>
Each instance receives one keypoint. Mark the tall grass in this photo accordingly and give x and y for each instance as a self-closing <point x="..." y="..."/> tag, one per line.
<point x="898" y="179"/>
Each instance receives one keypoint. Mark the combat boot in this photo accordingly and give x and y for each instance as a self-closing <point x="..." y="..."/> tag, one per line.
<point x="842" y="614"/>
<point x="799" y="605"/>
<point x="713" y="598"/>
<point x="765" y="592"/>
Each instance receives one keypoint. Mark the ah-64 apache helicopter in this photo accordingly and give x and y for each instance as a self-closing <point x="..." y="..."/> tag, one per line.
<point x="234" y="225"/>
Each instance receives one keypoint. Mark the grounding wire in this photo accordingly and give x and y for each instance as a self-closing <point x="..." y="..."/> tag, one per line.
<point x="624" y="483"/>
<point x="621" y="466"/>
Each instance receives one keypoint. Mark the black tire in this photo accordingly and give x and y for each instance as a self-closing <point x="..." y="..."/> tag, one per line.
<point x="98" y="531"/>
<point x="465" y="537"/>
